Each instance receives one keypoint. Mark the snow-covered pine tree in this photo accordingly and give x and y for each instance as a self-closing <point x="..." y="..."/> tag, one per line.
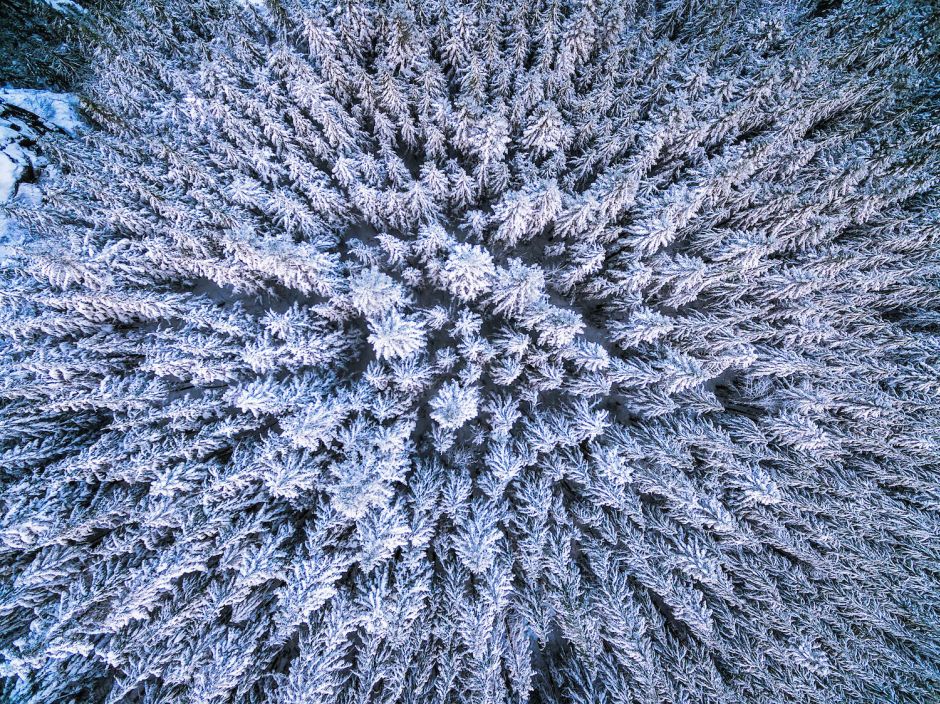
<point x="425" y="351"/>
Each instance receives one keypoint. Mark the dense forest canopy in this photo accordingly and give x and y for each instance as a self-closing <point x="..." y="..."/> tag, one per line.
<point x="427" y="351"/>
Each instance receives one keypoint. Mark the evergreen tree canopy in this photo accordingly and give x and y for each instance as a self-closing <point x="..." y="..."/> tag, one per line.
<point x="429" y="351"/>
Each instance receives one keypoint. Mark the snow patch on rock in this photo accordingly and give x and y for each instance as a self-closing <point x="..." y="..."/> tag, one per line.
<point x="66" y="7"/>
<point x="18" y="157"/>
<point x="53" y="109"/>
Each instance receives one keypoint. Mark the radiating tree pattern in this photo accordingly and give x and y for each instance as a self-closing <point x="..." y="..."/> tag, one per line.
<point x="429" y="351"/>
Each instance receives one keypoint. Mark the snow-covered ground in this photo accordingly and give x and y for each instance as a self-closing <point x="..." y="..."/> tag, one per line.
<point x="65" y="6"/>
<point x="24" y="114"/>
<point x="53" y="109"/>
